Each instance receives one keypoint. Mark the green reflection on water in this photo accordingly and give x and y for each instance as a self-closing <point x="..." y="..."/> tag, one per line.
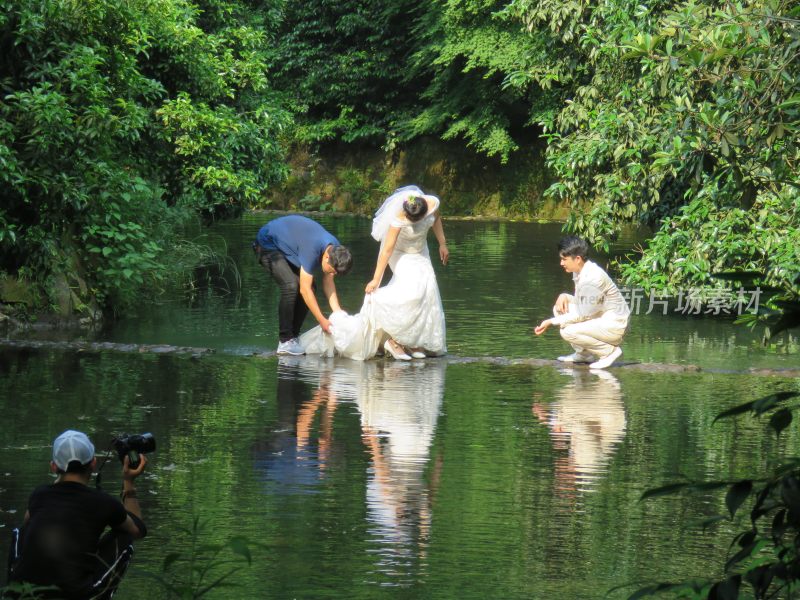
<point x="438" y="480"/>
<point x="381" y="479"/>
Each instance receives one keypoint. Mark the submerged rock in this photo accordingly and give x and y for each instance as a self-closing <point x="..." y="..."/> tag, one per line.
<point x="106" y="347"/>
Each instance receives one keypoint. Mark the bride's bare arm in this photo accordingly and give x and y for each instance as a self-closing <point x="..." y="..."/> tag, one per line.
<point x="383" y="259"/>
<point x="438" y="231"/>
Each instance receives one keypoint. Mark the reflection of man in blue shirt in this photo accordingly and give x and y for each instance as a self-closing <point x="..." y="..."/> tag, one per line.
<point x="292" y="249"/>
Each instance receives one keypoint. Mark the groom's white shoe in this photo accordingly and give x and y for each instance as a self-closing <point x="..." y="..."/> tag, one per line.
<point x="396" y="350"/>
<point x="577" y="357"/>
<point x="607" y="361"/>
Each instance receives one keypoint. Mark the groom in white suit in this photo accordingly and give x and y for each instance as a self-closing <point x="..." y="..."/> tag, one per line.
<point x="593" y="320"/>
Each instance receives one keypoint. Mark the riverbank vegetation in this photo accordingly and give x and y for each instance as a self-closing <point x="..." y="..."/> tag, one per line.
<point x="123" y="123"/>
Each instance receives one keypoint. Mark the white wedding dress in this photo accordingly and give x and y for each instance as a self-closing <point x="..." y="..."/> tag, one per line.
<point x="408" y="309"/>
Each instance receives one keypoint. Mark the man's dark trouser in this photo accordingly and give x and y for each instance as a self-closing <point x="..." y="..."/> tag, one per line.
<point x="114" y="551"/>
<point x="292" y="309"/>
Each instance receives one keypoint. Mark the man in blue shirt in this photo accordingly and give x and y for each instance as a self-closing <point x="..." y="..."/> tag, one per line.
<point x="292" y="249"/>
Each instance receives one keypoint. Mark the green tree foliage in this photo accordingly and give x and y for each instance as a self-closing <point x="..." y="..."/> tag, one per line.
<point x="465" y="53"/>
<point x="681" y="115"/>
<point x="344" y="63"/>
<point x="677" y="115"/>
<point x="118" y="120"/>
<point x="684" y="117"/>
<point x="205" y="567"/>
<point x="368" y="71"/>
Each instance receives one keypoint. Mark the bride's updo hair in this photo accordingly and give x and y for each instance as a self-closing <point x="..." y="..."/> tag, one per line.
<point x="415" y="207"/>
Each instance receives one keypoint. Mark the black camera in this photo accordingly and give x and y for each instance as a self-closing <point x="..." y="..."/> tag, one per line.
<point x="132" y="446"/>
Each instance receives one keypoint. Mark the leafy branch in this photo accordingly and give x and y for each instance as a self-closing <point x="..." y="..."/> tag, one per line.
<point x="766" y="555"/>
<point x="203" y="567"/>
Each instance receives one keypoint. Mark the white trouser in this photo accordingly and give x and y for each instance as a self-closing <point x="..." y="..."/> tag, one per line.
<point x="599" y="336"/>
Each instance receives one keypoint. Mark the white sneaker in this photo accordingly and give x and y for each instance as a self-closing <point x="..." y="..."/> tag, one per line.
<point x="292" y="347"/>
<point x="607" y="361"/>
<point x="577" y="357"/>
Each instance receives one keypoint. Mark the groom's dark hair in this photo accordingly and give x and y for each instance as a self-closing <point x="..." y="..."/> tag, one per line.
<point x="340" y="259"/>
<point x="572" y="245"/>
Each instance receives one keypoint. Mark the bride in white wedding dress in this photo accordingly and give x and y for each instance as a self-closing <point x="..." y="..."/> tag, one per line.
<point x="405" y="317"/>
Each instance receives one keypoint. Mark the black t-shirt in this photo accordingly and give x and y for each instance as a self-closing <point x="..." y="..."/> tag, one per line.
<point x="58" y="545"/>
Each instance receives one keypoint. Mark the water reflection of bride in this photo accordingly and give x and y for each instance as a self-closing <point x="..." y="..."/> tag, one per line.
<point x="586" y="422"/>
<point x="399" y="404"/>
<point x="399" y="409"/>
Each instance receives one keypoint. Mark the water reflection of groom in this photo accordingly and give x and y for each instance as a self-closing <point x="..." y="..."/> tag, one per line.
<point x="586" y="422"/>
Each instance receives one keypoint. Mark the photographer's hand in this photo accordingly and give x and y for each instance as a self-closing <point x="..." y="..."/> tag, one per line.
<point x="129" y="474"/>
<point x="129" y="499"/>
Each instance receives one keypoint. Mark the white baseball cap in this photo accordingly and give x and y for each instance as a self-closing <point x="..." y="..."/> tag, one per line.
<point x="72" y="445"/>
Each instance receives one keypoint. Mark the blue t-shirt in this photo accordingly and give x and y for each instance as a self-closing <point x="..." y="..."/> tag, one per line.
<point x="301" y="240"/>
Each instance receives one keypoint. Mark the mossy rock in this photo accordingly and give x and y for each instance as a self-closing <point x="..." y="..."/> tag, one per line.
<point x="16" y="291"/>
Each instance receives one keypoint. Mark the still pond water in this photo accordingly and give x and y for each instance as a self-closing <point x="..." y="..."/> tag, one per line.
<point x="463" y="477"/>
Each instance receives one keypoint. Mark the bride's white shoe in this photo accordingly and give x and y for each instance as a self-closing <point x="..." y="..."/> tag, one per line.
<point x="396" y="350"/>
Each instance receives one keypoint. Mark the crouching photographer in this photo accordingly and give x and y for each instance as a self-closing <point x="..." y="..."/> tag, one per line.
<point x="75" y="539"/>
